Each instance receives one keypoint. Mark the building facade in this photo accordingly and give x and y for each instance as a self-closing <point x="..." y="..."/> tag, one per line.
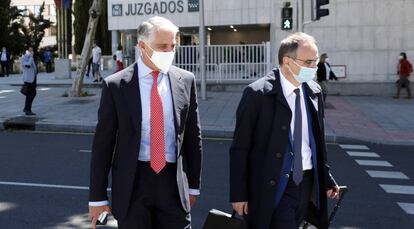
<point x="363" y="38"/>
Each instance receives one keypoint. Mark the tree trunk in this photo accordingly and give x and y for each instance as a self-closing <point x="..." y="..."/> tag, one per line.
<point x="94" y="13"/>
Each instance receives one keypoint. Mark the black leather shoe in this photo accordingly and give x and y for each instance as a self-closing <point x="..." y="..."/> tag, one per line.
<point x="30" y="113"/>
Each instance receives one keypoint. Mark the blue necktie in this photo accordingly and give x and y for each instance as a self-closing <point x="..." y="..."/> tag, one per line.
<point x="297" y="141"/>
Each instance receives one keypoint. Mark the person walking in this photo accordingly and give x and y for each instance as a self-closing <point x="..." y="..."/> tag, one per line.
<point x="119" y="58"/>
<point x="47" y="58"/>
<point x="96" y="62"/>
<point x="404" y="70"/>
<point x="29" y="80"/>
<point x="324" y="71"/>
<point x="5" y="62"/>
<point x="278" y="165"/>
<point x="148" y="135"/>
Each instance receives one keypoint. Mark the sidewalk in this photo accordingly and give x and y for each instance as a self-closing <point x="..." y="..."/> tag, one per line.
<point x="368" y="118"/>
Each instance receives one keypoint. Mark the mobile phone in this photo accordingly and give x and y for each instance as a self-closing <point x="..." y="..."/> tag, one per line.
<point x="103" y="218"/>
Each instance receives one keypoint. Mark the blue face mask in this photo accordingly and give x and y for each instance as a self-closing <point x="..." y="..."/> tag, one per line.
<point x="305" y="74"/>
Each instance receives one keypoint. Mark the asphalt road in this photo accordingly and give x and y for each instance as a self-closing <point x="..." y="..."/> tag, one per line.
<point x="44" y="179"/>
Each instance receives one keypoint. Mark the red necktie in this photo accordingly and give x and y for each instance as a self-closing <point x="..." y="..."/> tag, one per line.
<point x="157" y="128"/>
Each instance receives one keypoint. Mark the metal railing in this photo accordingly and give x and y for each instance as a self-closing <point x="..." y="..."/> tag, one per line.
<point x="227" y="63"/>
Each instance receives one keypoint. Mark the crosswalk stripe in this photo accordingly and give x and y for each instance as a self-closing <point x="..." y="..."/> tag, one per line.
<point x="387" y="174"/>
<point x="407" y="207"/>
<point x="362" y="154"/>
<point x="354" y="147"/>
<point x="398" y="189"/>
<point x="85" y="151"/>
<point x="374" y="163"/>
<point x="45" y="185"/>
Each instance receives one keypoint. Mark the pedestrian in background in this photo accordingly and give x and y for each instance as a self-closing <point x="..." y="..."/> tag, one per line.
<point x="119" y="57"/>
<point x="29" y="80"/>
<point x="324" y="71"/>
<point x="47" y="59"/>
<point x="404" y="70"/>
<point x="96" y="61"/>
<point x="5" y="62"/>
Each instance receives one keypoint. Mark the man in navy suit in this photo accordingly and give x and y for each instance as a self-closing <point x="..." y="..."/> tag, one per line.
<point x="278" y="165"/>
<point x="148" y="134"/>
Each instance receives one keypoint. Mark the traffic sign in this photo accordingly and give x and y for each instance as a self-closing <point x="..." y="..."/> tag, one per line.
<point x="287" y="24"/>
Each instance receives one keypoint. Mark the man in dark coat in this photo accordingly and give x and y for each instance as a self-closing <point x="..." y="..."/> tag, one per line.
<point x="278" y="164"/>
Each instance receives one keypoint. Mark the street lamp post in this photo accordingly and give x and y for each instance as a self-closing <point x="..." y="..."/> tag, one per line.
<point x="202" y="53"/>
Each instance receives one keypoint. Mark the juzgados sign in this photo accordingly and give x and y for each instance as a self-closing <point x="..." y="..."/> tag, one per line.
<point x="154" y="8"/>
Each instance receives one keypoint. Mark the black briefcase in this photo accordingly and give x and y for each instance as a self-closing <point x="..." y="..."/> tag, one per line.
<point x="220" y="220"/>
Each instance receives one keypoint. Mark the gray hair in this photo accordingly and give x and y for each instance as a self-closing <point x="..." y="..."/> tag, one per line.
<point x="289" y="46"/>
<point x="147" y="28"/>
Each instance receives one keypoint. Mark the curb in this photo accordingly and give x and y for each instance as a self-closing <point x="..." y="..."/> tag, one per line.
<point x="208" y="132"/>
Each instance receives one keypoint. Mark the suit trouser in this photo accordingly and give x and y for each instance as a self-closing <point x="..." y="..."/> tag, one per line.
<point x="404" y="81"/>
<point x="5" y="68"/>
<point x="155" y="202"/>
<point x="31" y="94"/>
<point x="293" y="206"/>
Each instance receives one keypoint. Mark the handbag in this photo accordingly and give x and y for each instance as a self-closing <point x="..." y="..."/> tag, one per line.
<point x="24" y="90"/>
<point x="220" y="220"/>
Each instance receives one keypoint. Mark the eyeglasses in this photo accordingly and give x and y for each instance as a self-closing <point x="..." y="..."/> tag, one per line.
<point x="307" y="62"/>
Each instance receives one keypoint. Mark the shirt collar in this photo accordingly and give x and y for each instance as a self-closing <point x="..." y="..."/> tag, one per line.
<point x="143" y="70"/>
<point x="287" y="86"/>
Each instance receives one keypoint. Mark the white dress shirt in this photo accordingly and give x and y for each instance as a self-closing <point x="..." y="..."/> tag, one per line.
<point x="290" y="96"/>
<point x="96" y="55"/>
<point x="145" y="84"/>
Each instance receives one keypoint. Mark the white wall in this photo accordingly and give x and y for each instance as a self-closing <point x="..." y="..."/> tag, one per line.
<point x="367" y="36"/>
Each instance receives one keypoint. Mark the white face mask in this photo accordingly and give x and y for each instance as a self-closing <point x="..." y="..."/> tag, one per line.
<point x="162" y="60"/>
<point x="400" y="57"/>
<point x="305" y="74"/>
<point x="327" y="60"/>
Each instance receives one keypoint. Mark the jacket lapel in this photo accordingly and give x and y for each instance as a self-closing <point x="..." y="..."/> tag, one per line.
<point x="177" y="94"/>
<point x="130" y="89"/>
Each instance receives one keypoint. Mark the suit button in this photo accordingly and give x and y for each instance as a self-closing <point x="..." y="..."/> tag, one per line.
<point x="278" y="155"/>
<point x="284" y="127"/>
<point x="272" y="182"/>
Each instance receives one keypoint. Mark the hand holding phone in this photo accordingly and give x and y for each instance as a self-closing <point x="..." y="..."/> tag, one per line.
<point x="103" y="218"/>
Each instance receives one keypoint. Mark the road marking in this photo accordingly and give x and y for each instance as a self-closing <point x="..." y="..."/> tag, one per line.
<point x="355" y="147"/>
<point x="374" y="163"/>
<point x="6" y="91"/>
<point x="398" y="189"/>
<point x="85" y="151"/>
<point x="362" y="154"/>
<point x="407" y="207"/>
<point x="45" y="89"/>
<point x="7" y="206"/>
<point x="387" y="174"/>
<point x="46" y="185"/>
<point x="3" y="97"/>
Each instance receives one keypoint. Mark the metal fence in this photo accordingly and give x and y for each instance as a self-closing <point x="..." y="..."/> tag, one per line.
<point x="227" y="63"/>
